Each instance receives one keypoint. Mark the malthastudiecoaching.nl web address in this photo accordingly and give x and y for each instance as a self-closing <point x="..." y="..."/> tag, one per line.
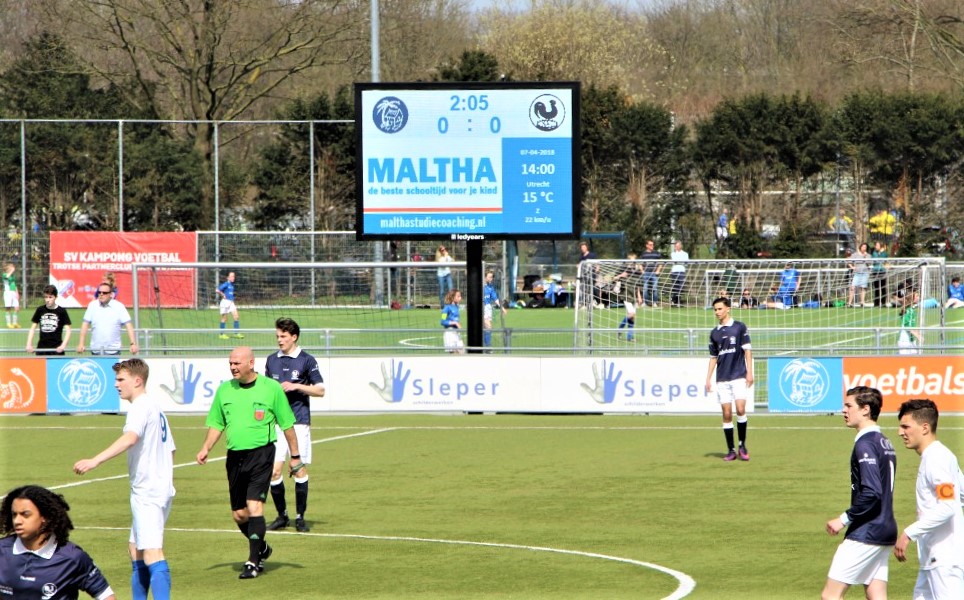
<point x="409" y="223"/>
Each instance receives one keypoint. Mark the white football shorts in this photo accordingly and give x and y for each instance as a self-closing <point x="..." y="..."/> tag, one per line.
<point x="150" y="515"/>
<point x="303" y="433"/>
<point x="859" y="563"/>
<point x="728" y="392"/>
<point x="227" y="307"/>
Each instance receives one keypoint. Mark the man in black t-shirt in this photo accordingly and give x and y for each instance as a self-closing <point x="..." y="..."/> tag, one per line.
<point x="54" y="324"/>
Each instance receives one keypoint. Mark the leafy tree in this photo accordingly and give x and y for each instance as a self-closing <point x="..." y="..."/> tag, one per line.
<point x="473" y="65"/>
<point x="281" y="173"/>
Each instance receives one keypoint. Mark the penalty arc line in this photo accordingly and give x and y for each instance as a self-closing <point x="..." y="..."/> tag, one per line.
<point x="685" y="586"/>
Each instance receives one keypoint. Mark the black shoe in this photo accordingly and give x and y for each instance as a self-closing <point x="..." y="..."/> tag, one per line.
<point x="264" y="555"/>
<point x="250" y="571"/>
<point x="280" y="523"/>
<point x="301" y="526"/>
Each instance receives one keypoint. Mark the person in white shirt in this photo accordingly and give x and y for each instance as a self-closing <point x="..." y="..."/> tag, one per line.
<point x="106" y="316"/>
<point x="677" y="273"/>
<point x="939" y="528"/>
<point x="149" y="444"/>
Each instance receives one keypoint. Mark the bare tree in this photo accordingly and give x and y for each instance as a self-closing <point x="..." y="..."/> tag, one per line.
<point x="205" y="60"/>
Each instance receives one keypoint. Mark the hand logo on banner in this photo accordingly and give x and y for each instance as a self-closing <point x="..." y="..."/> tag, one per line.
<point x="393" y="384"/>
<point x="603" y="390"/>
<point x="185" y="384"/>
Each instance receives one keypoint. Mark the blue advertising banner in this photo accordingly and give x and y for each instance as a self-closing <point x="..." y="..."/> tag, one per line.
<point x="805" y="385"/>
<point x="81" y="385"/>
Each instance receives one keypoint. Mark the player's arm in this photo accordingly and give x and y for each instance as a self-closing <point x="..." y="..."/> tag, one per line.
<point x="63" y="344"/>
<point x="33" y="328"/>
<point x="709" y="374"/>
<point x="212" y="437"/>
<point x="120" y="445"/>
<point x="748" y="355"/>
<point x="85" y="326"/>
<point x="296" y="468"/>
<point x="867" y="502"/>
<point x="131" y="336"/>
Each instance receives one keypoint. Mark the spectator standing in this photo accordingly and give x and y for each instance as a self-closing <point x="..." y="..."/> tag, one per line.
<point x="228" y="307"/>
<point x="861" y="269"/>
<point x="861" y="559"/>
<point x="300" y="378"/>
<point x="106" y="316"/>
<point x="651" y="271"/>
<point x="585" y="253"/>
<point x="732" y="360"/>
<point x="878" y="274"/>
<point x="939" y="528"/>
<point x="53" y="321"/>
<point x="36" y="554"/>
<point x="444" y="274"/>
<point x="841" y="223"/>
<point x="11" y="296"/>
<point x="247" y="408"/>
<point x="149" y="444"/>
<point x="677" y="274"/>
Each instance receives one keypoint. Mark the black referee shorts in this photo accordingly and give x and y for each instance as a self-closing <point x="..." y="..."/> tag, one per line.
<point x="249" y="475"/>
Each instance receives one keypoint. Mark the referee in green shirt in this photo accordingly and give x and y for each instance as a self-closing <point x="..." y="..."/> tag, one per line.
<point x="247" y="408"/>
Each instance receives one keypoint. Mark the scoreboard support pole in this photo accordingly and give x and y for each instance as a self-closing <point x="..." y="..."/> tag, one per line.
<point x="473" y="294"/>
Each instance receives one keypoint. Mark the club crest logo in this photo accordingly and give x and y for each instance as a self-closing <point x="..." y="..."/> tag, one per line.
<point x="804" y="382"/>
<point x="390" y="114"/>
<point x="547" y="112"/>
<point x="82" y="382"/>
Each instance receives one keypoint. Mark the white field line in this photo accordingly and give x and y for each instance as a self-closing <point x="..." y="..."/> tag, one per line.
<point x="685" y="586"/>
<point x="220" y="458"/>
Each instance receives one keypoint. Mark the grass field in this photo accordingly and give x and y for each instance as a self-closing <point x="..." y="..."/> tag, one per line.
<point x="494" y="506"/>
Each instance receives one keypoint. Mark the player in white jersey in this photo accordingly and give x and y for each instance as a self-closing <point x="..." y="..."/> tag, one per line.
<point x="939" y="528"/>
<point x="149" y="443"/>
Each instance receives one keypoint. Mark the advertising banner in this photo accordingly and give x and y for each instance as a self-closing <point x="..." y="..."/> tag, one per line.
<point x="900" y="378"/>
<point x="187" y="385"/>
<point x="466" y="383"/>
<point x="23" y="386"/>
<point x="81" y="385"/>
<point x="805" y="385"/>
<point x="79" y="261"/>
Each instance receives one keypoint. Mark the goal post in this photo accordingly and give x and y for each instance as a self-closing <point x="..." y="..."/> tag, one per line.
<point x="821" y="307"/>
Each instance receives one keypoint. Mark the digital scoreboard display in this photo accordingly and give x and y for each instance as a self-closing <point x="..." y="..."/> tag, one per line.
<point x="466" y="161"/>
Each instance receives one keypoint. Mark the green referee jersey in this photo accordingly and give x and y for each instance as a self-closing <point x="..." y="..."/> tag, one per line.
<point x="248" y="415"/>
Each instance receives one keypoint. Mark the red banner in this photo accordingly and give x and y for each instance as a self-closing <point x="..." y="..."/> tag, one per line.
<point x="80" y="261"/>
<point x="900" y="378"/>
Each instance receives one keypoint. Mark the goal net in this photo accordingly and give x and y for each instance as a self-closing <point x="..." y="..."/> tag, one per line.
<point x="372" y="305"/>
<point x="814" y="307"/>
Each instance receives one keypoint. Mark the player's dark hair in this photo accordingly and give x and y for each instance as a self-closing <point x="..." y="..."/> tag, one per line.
<point x="135" y="366"/>
<point x="288" y="326"/>
<point x="725" y="300"/>
<point x="50" y="290"/>
<point x="52" y="507"/>
<point x="922" y="410"/>
<point x="868" y="396"/>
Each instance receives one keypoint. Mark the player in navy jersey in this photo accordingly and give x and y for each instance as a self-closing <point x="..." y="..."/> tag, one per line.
<point x="871" y="527"/>
<point x="732" y="359"/>
<point x="37" y="561"/>
<point x="299" y="376"/>
<point x="227" y="306"/>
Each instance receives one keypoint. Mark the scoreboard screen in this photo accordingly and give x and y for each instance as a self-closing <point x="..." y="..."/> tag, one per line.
<point x="466" y="161"/>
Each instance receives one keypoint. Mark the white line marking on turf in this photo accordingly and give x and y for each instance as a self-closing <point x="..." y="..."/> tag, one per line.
<point x="220" y="458"/>
<point x="686" y="583"/>
<point x="411" y="342"/>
